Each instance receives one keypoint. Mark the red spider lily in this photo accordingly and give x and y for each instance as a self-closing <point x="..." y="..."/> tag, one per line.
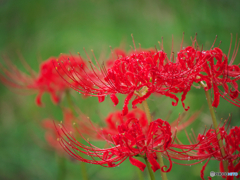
<point x="231" y="148"/>
<point x="116" y="118"/>
<point x="51" y="133"/>
<point x="219" y="72"/>
<point x="130" y="142"/>
<point x="141" y="73"/>
<point x="48" y="80"/>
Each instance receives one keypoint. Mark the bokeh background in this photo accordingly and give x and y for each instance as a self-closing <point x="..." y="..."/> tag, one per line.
<point x="41" y="29"/>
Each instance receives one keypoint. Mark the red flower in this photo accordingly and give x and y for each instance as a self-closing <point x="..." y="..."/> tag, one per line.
<point x="130" y="141"/>
<point x="141" y="73"/>
<point x="231" y="148"/>
<point x="48" y="79"/>
<point x="114" y="119"/>
<point x="219" y="71"/>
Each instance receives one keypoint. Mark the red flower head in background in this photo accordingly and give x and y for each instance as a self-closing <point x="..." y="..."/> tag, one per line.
<point x="51" y="133"/>
<point x="114" y="119"/>
<point x="48" y="79"/>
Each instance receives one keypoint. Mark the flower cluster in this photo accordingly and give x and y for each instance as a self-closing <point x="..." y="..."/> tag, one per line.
<point x="143" y="72"/>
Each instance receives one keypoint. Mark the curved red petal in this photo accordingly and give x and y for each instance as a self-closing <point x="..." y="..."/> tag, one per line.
<point x="114" y="99"/>
<point x="101" y="99"/>
<point x="155" y="165"/>
<point x="38" y="99"/>
<point x="137" y="163"/>
<point x="126" y="102"/>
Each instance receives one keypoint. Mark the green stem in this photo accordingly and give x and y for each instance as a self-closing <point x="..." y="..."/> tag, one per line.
<point x="82" y="164"/>
<point x="215" y="125"/>
<point x="160" y="160"/>
<point x="149" y="169"/>
<point x="147" y="111"/>
<point x="61" y="168"/>
<point x="159" y="154"/>
<point x="84" y="171"/>
<point x="140" y="175"/>
<point x="70" y="102"/>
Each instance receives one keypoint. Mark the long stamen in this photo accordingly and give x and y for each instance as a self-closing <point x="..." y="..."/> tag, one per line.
<point x="219" y="44"/>
<point x="171" y="50"/>
<point x="134" y="43"/>
<point x="182" y="42"/>
<point x="131" y="47"/>
<point x="230" y="46"/>
<point x="90" y="60"/>
<point x="140" y="47"/>
<point x="214" y="42"/>
<point x="192" y="41"/>
<point x="156" y="48"/>
<point x="33" y="74"/>
<point x="159" y="43"/>
<point x="111" y="51"/>
<point x="196" y="40"/>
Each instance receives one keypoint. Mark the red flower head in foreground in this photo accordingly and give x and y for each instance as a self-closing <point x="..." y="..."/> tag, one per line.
<point x="130" y="141"/>
<point x="141" y="73"/>
<point x="48" y="79"/>
<point x="231" y="148"/>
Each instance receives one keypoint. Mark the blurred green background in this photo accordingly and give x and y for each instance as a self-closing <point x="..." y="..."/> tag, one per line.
<point x="40" y="29"/>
